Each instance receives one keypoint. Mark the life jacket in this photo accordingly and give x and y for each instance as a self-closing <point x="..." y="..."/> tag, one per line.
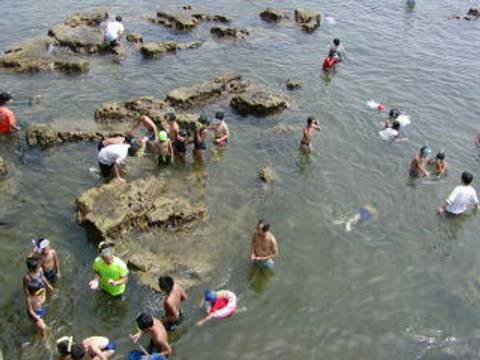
<point x="329" y="62"/>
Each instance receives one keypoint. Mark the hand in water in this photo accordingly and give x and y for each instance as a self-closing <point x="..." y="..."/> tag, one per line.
<point x="135" y="337"/>
<point x="111" y="282"/>
<point x="93" y="284"/>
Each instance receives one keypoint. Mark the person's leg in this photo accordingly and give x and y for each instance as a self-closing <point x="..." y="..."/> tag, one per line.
<point x="41" y="327"/>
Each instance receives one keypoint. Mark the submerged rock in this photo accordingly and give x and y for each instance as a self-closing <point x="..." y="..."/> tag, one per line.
<point x="119" y="207"/>
<point x="258" y="102"/>
<point x="3" y="168"/>
<point x="205" y="92"/>
<point x="49" y="134"/>
<point x="130" y="110"/>
<point x="185" y="19"/>
<point x="135" y="38"/>
<point x="266" y="175"/>
<point x="224" y="31"/>
<point x="309" y="20"/>
<point x="273" y="14"/>
<point x="150" y="50"/>
<point x="293" y="85"/>
<point x="39" y="54"/>
<point x="474" y="11"/>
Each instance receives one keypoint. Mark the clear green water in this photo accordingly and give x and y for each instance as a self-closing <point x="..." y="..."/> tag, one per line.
<point x="370" y="294"/>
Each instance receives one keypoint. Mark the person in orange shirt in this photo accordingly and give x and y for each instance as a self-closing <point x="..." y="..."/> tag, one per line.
<point x="8" y="123"/>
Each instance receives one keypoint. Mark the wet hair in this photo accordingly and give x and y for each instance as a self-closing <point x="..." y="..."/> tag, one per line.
<point x="219" y="115"/>
<point x="394" y="113"/>
<point x="396" y="125"/>
<point x="62" y="347"/>
<point x="119" y="19"/>
<point x="331" y="52"/>
<point x="77" y="352"/>
<point x="135" y="145"/>
<point x="144" y="321"/>
<point x="311" y="120"/>
<point x="34" y="285"/>
<point x="5" y="97"/>
<point x="183" y="133"/>
<point x="467" y="178"/>
<point x="170" y="116"/>
<point x="166" y="283"/>
<point x="265" y="227"/>
<point x="336" y="41"/>
<point x="440" y="156"/>
<point x="425" y="149"/>
<point x="32" y="263"/>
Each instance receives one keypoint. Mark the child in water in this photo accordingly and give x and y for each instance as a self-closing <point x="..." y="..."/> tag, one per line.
<point x="307" y="134"/>
<point x="363" y="214"/>
<point x="164" y="149"/>
<point x="36" y="297"/>
<point x="330" y="61"/>
<point x="220" y="129"/>
<point x="34" y="273"/>
<point x="419" y="162"/>
<point x="48" y="257"/>
<point x="440" y="164"/>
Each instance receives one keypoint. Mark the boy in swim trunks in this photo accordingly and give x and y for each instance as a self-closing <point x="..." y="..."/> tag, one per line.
<point x="164" y="149"/>
<point x="148" y="124"/>
<point x="419" y="162"/>
<point x="48" y="259"/>
<point x="95" y="348"/>
<point x="220" y="129"/>
<point x="263" y="246"/>
<point x="440" y="164"/>
<point x="147" y="324"/>
<point x="36" y="297"/>
<point x="307" y="134"/>
<point x="175" y="295"/>
<point x="34" y="273"/>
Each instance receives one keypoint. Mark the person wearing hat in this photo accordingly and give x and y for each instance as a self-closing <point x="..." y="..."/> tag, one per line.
<point x="49" y="260"/>
<point x="111" y="272"/>
<point x="164" y="149"/>
<point x="419" y="162"/>
<point x="111" y="155"/>
<point x="8" y="123"/>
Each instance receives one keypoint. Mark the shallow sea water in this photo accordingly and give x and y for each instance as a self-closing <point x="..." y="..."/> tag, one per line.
<point x="387" y="290"/>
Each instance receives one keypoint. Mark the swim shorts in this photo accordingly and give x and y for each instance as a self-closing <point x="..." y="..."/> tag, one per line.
<point x="265" y="264"/>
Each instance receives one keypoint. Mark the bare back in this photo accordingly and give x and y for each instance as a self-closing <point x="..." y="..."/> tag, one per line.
<point x="264" y="245"/>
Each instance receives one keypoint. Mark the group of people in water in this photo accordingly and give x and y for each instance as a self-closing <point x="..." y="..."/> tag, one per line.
<point x="111" y="277"/>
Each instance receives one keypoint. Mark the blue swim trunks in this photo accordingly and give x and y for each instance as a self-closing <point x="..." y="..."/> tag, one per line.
<point x="41" y="312"/>
<point x="265" y="264"/>
<point x="110" y="346"/>
<point x="365" y="214"/>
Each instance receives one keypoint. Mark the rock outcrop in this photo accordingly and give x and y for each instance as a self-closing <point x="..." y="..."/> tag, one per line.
<point x="185" y="19"/>
<point x="293" y="85"/>
<point x="273" y="14"/>
<point x="49" y="134"/>
<point x="266" y="175"/>
<point x="3" y="168"/>
<point x="117" y="208"/>
<point x="229" y="32"/>
<point x="258" y="102"/>
<point x="474" y="11"/>
<point x="205" y="92"/>
<point x="40" y="54"/>
<point x="150" y="50"/>
<point x="135" y="38"/>
<point x="307" y="19"/>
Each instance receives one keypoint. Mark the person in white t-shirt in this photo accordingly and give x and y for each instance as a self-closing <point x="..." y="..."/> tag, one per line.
<point x="114" y="31"/>
<point x="392" y="133"/>
<point x="111" y="156"/>
<point x="462" y="199"/>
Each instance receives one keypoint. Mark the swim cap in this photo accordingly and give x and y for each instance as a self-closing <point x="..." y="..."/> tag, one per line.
<point x="5" y="97"/>
<point x="394" y="113"/>
<point x="108" y="251"/>
<point x="40" y="244"/>
<point x="162" y="136"/>
<point x="425" y="150"/>
<point x="210" y="296"/>
<point x="332" y="52"/>
<point x="440" y="156"/>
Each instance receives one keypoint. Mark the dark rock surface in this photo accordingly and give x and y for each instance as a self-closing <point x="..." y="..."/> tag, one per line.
<point x="258" y="102"/>
<point x="229" y="32"/>
<point x="151" y="50"/>
<point x="309" y="20"/>
<point x="274" y="14"/>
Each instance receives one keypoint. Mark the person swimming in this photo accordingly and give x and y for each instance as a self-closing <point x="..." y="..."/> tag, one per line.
<point x="330" y="61"/>
<point x="363" y="214"/>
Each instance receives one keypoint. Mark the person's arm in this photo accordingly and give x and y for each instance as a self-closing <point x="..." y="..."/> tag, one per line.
<point x="98" y="353"/>
<point x="24" y="285"/>
<point x="172" y="153"/>
<point x="422" y="169"/>
<point x="183" y="295"/>
<point x="252" y="249"/>
<point x="135" y="337"/>
<point x="57" y="263"/>
<point x="121" y="281"/>
<point x="113" y="140"/>
<point x="13" y="122"/>
<point x="204" y="319"/>
<point x="167" y="350"/>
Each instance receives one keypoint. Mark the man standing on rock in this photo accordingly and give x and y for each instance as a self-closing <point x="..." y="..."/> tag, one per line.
<point x="113" y="152"/>
<point x="8" y="123"/>
<point x="264" y="246"/>
<point x="111" y="272"/>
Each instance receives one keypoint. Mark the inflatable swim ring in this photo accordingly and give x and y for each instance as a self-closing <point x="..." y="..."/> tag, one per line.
<point x="231" y="306"/>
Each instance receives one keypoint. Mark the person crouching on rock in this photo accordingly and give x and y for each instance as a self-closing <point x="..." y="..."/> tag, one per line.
<point x="330" y="61"/>
<point x="8" y="123"/>
<point x="113" y="152"/>
<point x="175" y="295"/>
<point x="111" y="272"/>
<point x="113" y="32"/>
<point x="147" y="324"/>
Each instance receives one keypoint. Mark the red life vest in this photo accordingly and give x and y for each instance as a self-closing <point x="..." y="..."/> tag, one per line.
<point x="329" y="62"/>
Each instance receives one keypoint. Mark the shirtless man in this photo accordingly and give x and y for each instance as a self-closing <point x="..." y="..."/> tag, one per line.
<point x="419" y="162"/>
<point x="220" y="129"/>
<point x="172" y="303"/>
<point x="48" y="259"/>
<point x="94" y="347"/>
<point x="164" y="149"/>
<point x="264" y="246"/>
<point x="148" y="124"/>
<point x="146" y="323"/>
<point x="307" y="134"/>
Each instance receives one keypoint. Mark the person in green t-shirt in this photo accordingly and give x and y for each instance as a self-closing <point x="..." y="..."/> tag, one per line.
<point x="111" y="272"/>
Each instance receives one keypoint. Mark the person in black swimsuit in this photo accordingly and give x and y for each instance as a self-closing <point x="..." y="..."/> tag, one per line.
<point x="200" y="142"/>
